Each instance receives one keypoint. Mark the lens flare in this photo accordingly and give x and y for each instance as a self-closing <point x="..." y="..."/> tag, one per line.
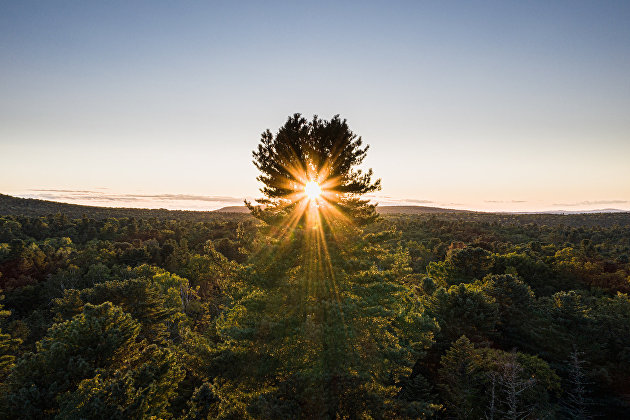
<point x="312" y="190"/>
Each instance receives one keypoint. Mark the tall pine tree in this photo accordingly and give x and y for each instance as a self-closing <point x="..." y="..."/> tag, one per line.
<point x="323" y="327"/>
<point x="306" y="153"/>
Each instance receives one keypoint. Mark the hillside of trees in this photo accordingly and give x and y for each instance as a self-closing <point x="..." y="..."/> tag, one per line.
<point x="16" y="206"/>
<point x="137" y="317"/>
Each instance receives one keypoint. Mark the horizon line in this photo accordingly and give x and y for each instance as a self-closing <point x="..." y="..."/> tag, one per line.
<point x="121" y="204"/>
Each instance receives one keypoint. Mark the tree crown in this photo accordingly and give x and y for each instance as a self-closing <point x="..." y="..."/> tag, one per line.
<point x="304" y="152"/>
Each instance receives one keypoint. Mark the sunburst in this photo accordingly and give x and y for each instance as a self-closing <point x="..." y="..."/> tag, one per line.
<point x="312" y="190"/>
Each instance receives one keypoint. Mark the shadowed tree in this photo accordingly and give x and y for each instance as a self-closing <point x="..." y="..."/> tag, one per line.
<point x="94" y="365"/>
<point x="460" y="378"/>
<point x="303" y="152"/>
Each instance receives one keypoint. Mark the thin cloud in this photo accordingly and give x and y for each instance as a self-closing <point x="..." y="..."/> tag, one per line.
<point x="592" y="203"/>
<point x="388" y="199"/>
<point x="55" y="197"/>
<point x="66" y="191"/>
<point x="413" y="200"/>
<point x="190" y="197"/>
<point x="505" y="201"/>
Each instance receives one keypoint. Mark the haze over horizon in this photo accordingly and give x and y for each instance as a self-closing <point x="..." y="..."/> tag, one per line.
<point x="497" y="106"/>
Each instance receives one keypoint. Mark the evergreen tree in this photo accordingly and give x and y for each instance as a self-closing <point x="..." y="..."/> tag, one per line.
<point x="462" y="310"/>
<point x="72" y="351"/>
<point x="320" y="151"/>
<point x="143" y="390"/>
<point x="461" y="379"/>
<point x="515" y="302"/>
<point x="323" y="326"/>
<point x="93" y="365"/>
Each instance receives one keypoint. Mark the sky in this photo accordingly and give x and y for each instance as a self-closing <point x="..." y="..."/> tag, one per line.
<point x="485" y="105"/>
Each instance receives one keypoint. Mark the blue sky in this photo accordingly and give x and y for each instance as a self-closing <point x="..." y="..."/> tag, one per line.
<point x="500" y="105"/>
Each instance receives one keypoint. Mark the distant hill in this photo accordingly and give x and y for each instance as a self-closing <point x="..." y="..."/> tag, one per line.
<point x="583" y="211"/>
<point x="416" y="210"/>
<point x="233" y="209"/>
<point x="33" y="207"/>
<point x="16" y="206"/>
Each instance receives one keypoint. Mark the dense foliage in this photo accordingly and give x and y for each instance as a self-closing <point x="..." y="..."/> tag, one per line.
<point x="324" y="152"/>
<point x="443" y="315"/>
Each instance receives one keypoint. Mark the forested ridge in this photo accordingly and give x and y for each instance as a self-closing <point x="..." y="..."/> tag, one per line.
<point x="16" y="206"/>
<point x="134" y="317"/>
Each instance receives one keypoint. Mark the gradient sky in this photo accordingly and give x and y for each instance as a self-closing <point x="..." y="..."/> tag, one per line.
<point x="493" y="105"/>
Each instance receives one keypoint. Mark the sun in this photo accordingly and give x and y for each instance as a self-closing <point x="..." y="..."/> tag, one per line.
<point x="312" y="190"/>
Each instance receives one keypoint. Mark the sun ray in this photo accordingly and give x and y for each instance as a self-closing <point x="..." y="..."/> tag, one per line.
<point x="313" y="195"/>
